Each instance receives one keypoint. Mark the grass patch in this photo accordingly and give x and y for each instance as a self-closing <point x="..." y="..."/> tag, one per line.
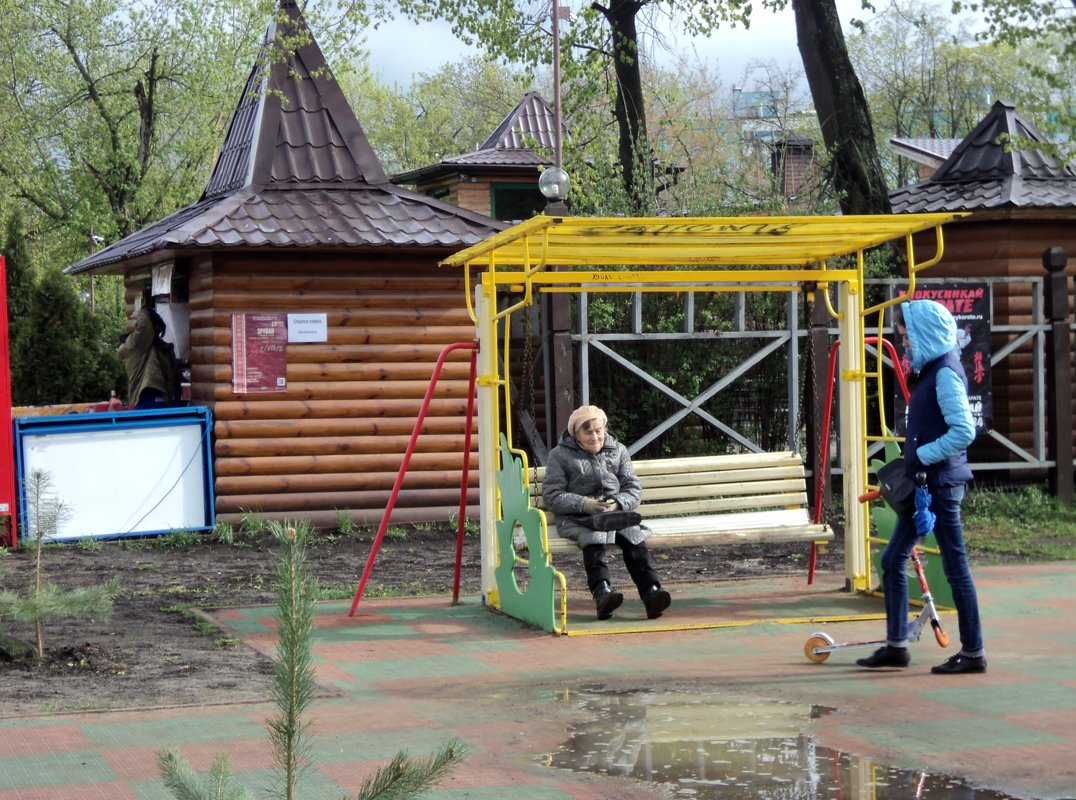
<point x="224" y="532"/>
<point x="176" y="540"/>
<point x="251" y="522"/>
<point x="340" y="591"/>
<point x="471" y="527"/>
<point x="78" y="708"/>
<point x="1018" y="523"/>
<point x="345" y="522"/>
<point x="203" y="626"/>
<point x="411" y="589"/>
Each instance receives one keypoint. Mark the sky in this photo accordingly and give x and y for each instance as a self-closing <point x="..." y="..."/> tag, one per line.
<point x="401" y="49"/>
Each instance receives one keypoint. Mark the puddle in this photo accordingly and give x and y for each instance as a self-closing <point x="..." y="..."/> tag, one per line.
<point x="709" y="747"/>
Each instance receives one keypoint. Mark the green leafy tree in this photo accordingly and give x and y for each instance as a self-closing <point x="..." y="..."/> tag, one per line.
<point x="716" y="157"/>
<point x="440" y="115"/>
<point x="113" y="111"/>
<point x="926" y="78"/>
<point x="1043" y="32"/>
<point x="602" y="41"/>
<point x="20" y="288"/>
<point x="109" y="116"/>
<point x="608" y="34"/>
<point x="63" y="356"/>
<point x="45" y="601"/>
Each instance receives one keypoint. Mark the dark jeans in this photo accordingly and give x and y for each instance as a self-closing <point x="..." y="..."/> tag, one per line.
<point x="949" y="532"/>
<point x="151" y="398"/>
<point x="636" y="559"/>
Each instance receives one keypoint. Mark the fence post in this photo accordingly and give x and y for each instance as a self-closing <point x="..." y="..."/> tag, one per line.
<point x="1058" y="374"/>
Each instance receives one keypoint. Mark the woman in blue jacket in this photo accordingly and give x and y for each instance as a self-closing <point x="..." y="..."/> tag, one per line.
<point x="940" y="428"/>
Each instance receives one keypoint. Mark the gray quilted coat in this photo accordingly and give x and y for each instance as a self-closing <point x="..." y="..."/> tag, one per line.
<point x="573" y="474"/>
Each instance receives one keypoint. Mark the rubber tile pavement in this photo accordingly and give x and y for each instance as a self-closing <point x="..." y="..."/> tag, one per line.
<point x="409" y="674"/>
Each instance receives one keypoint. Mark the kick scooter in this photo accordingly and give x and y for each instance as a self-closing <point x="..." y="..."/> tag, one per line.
<point x="820" y="645"/>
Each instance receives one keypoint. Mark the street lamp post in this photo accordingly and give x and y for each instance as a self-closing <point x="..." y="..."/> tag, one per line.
<point x="554" y="183"/>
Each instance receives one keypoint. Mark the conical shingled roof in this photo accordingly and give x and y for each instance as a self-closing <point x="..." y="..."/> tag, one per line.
<point x="312" y="136"/>
<point x="982" y="173"/>
<point x="531" y="124"/>
<point x="297" y="173"/>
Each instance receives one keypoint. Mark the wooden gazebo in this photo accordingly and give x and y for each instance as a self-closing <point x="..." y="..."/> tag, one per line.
<point x="1022" y="201"/>
<point x="299" y="221"/>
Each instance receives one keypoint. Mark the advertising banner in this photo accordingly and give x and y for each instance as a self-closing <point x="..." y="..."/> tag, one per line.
<point x="259" y="353"/>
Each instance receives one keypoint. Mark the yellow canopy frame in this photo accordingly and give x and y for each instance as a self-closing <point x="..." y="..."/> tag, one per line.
<point x="583" y="254"/>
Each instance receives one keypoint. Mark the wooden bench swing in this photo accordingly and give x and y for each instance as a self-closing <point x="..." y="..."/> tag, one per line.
<point x="716" y="500"/>
<point x="760" y="497"/>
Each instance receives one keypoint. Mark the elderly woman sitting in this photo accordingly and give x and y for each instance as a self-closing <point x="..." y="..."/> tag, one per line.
<point x="590" y="472"/>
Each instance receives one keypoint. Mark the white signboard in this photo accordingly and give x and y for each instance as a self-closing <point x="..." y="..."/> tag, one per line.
<point x="119" y="480"/>
<point x="308" y="328"/>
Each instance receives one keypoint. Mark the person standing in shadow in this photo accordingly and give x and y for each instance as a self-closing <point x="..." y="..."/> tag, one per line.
<point x="152" y="369"/>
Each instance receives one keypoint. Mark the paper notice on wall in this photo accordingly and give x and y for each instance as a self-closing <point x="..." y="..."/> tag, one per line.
<point x="259" y="353"/>
<point x="161" y="280"/>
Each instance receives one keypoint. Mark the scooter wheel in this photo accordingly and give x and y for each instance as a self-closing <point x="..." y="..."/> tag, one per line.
<point x="818" y="640"/>
<point x="941" y="636"/>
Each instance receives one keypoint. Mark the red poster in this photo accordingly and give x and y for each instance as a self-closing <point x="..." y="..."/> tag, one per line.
<point x="259" y="353"/>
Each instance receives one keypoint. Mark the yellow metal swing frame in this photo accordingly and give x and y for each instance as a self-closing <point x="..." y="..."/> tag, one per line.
<point x="663" y="254"/>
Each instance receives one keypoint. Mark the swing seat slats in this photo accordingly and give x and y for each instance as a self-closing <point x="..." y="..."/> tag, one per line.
<point x="717" y="500"/>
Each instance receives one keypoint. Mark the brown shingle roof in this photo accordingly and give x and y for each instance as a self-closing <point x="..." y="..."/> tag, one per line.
<point x="297" y="174"/>
<point x="531" y="124"/>
<point x="981" y="173"/>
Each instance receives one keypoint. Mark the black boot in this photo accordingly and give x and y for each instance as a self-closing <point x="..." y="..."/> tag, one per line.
<point x="886" y="657"/>
<point x="656" y="601"/>
<point x="606" y="600"/>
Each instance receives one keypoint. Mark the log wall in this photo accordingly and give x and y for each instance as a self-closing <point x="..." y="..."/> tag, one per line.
<point x="1010" y="245"/>
<point x="333" y="442"/>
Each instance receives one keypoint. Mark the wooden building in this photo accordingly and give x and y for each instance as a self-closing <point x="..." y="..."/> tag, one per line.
<point x="500" y="178"/>
<point x="1022" y="202"/>
<point x="298" y="218"/>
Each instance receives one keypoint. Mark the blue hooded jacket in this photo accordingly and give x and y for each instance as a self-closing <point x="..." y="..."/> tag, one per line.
<point x="940" y="424"/>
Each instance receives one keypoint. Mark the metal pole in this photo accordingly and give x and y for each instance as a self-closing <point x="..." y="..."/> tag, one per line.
<point x="558" y="158"/>
<point x="1058" y="374"/>
<point x="8" y="528"/>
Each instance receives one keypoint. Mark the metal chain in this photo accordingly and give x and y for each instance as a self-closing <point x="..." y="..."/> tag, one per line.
<point x="816" y="399"/>
<point x="528" y="378"/>
<point x="808" y="309"/>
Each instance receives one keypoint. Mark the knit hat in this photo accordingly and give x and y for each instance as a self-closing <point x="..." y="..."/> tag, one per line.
<point x="584" y="414"/>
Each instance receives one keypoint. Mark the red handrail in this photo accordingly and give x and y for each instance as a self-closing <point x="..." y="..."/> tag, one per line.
<point x="460" y="530"/>
<point x="827" y="417"/>
<point x="473" y="347"/>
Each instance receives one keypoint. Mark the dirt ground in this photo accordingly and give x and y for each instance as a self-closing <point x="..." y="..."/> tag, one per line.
<point x="153" y="652"/>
